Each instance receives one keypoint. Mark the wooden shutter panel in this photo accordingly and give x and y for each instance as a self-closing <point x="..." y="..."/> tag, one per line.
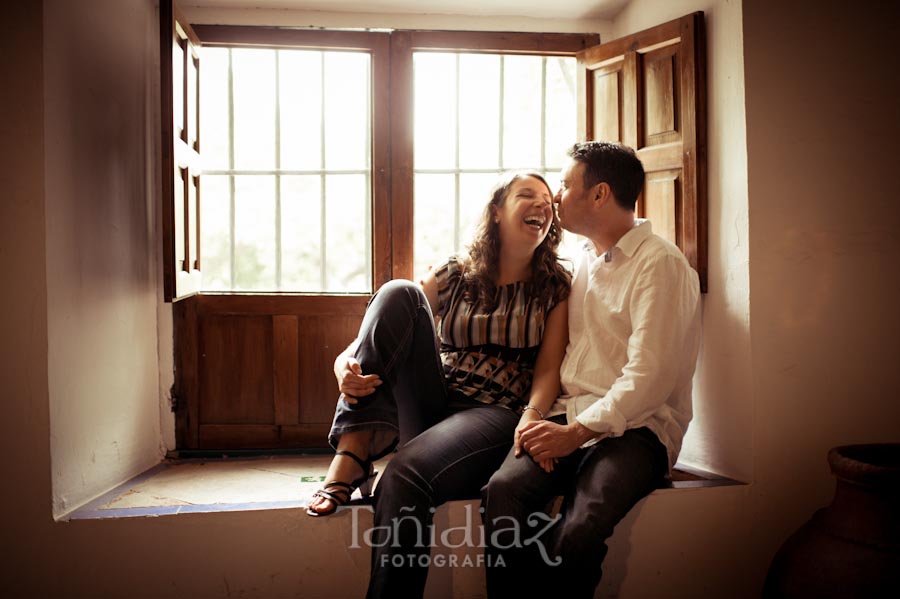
<point x="648" y="91"/>
<point x="180" y="87"/>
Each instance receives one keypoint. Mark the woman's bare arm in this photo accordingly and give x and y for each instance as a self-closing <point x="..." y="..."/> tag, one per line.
<point x="545" y="386"/>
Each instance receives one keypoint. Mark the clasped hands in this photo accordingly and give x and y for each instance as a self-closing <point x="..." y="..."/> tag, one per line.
<point x="547" y="441"/>
<point x="543" y="440"/>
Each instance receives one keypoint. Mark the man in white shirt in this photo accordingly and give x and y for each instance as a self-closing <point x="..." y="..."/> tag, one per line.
<point x="625" y="403"/>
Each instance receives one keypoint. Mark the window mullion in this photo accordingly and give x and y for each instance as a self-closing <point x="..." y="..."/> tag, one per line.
<point x="322" y="204"/>
<point x="278" y="256"/>
<point x="231" y="206"/>
<point x="369" y="217"/>
<point x="500" y="120"/>
<point x="543" y="114"/>
<point x="456" y="231"/>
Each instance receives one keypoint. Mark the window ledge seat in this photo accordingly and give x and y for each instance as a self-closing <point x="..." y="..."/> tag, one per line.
<point x="211" y="482"/>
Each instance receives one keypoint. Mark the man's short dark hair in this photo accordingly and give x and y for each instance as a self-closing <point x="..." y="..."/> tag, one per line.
<point x="614" y="164"/>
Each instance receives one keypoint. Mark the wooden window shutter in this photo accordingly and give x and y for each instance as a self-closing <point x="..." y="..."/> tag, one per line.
<point x="648" y="91"/>
<point x="180" y="101"/>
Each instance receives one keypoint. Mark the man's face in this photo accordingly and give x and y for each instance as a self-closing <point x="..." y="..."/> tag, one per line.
<point x="572" y="199"/>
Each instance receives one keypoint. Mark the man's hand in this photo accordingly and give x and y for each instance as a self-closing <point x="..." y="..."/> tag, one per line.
<point x="350" y="379"/>
<point x="546" y="440"/>
<point x="529" y="416"/>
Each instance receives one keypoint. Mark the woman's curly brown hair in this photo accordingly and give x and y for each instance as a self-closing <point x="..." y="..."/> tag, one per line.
<point x="550" y="281"/>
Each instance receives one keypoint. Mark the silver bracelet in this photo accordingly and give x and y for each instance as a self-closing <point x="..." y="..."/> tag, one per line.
<point x="536" y="409"/>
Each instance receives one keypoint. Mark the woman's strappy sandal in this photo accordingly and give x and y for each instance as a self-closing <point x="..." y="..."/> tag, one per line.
<point x="339" y="492"/>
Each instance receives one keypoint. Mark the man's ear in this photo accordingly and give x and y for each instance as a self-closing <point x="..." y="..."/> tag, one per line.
<point x="601" y="192"/>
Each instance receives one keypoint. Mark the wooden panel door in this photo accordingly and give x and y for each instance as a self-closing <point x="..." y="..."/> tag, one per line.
<point x="255" y="372"/>
<point x="648" y="91"/>
<point x="180" y="89"/>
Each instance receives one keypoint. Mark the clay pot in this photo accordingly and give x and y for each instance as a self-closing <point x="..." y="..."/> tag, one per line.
<point x="852" y="547"/>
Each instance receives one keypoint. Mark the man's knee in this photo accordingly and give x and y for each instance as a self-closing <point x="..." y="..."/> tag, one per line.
<point x="500" y="486"/>
<point x="509" y="492"/>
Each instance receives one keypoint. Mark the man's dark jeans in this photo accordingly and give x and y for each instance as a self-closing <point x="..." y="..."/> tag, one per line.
<point x="600" y="484"/>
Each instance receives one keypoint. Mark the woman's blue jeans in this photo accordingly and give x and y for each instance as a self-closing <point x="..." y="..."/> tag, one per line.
<point x="396" y="341"/>
<point x="449" y="446"/>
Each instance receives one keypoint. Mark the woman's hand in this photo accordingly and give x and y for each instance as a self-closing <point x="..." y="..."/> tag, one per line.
<point x="351" y="380"/>
<point x="547" y="465"/>
<point x="527" y="417"/>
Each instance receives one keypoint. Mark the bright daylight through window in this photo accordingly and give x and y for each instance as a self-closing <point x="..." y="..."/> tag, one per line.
<point x="286" y="144"/>
<point x="285" y="193"/>
<point x="477" y="115"/>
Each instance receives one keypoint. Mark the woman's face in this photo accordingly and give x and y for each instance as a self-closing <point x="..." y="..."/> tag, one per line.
<point x="526" y="214"/>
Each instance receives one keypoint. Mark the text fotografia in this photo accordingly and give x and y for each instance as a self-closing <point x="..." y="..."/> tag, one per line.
<point x="507" y="534"/>
<point x="441" y="561"/>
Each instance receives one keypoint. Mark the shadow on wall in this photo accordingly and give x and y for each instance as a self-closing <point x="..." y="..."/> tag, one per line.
<point x="615" y="565"/>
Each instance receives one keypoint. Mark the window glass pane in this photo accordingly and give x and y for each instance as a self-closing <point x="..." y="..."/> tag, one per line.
<point x="301" y="109"/>
<point x="178" y="87"/>
<point x="192" y="182"/>
<point x="433" y="224"/>
<point x="521" y="112"/>
<point x="324" y="219"/>
<point x="193" y="80"/>
<point x="254" y="108"/>
<point x="214" y="108"/>
<point x="254" y="232"/>
<point x="434" y="76"/>
<point x="301" y="233"/>
<point x="215" y="234"/>
<point x="346" y="110"/>
<point x="347" y="235"/>
<point x="560" y="131"/>
<point x="180" y="178"/>
<point x="479" y="111"/>
<point x="490" y="124"/>
<point x="554" y="175"/>
<point x="474" y="195"/>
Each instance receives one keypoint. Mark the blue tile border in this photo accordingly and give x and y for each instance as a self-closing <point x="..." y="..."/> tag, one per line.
<point x="92" y="510"/>
<point x="172" y="510"/>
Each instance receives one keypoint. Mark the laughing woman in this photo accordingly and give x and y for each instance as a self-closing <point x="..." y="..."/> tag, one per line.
<point x="453" y="395"/>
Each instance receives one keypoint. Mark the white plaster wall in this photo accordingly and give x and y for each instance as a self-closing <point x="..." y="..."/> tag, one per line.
<point x="720" y="435"/>
<point x="822" y="126"/>
<point x="101" y="183"/>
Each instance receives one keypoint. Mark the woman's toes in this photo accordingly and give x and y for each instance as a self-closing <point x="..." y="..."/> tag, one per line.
<point x="321" y="505"/>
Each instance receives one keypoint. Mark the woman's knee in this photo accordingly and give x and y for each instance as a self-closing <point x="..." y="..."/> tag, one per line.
<point x="400" y="290"/>
<point x="397" y="299"/>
